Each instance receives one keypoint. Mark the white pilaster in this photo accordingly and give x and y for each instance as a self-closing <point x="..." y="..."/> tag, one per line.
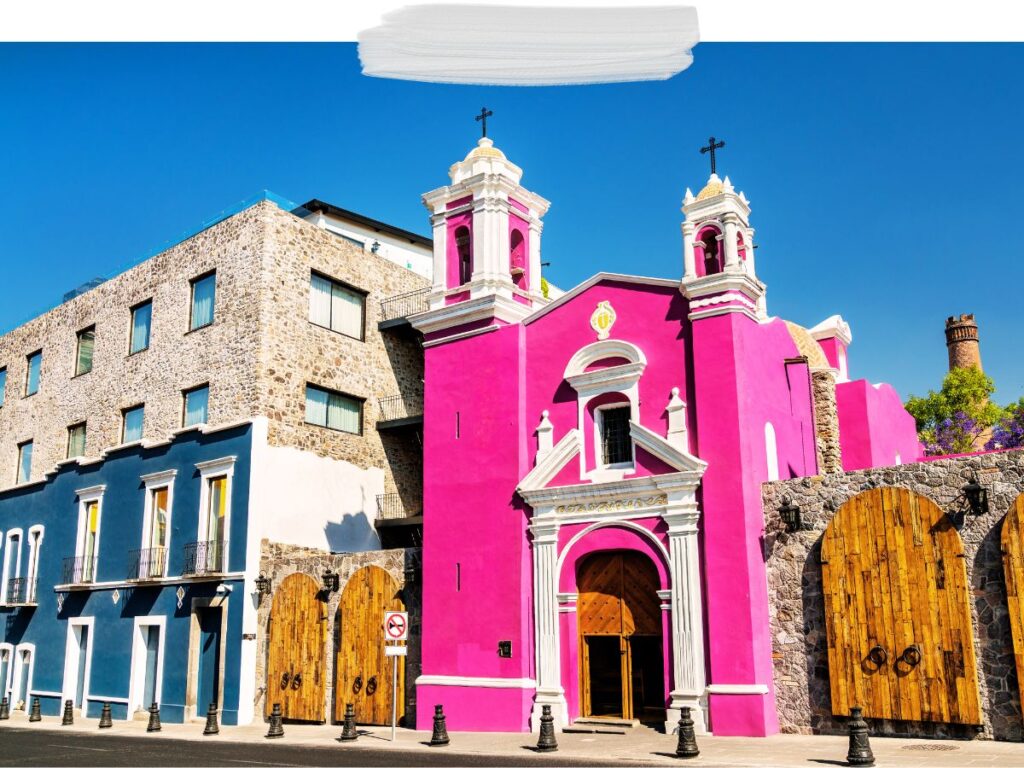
<point x="545" y="608"/>
<point x="676" y="410"/>
<point x="545" y="438"/>
<point x="687" y="615"/>
<point x="689" y="260"/>
<point x="732" y="253"/>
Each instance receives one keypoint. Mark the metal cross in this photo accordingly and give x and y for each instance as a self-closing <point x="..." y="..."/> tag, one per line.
<point x="711" y="147"/>
<point x="482" y="117"/>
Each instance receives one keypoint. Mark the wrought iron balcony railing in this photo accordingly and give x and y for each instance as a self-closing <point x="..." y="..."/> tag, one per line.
<point x="203" y="557"/>
<point x="397" y="407"/>
<point x="391" y="507"/>
<point x="79" y="570"/>
<point x="21" y="591"/>
<point x="405" y="304"/>
<point x="147" y="564"/>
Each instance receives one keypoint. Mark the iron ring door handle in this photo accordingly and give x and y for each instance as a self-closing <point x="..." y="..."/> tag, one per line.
<point x="878" y="656"/>
<point x="357" y="684"/>
<point x="911" y="656"/>
<point x="371" y="686"/>
<point x="296" y="681"/>
<point x="285" y="678"/>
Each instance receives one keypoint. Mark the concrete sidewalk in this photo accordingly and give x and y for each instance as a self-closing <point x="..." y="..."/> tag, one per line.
<point x="642" y="746"/>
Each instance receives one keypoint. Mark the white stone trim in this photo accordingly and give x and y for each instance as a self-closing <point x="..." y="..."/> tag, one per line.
<point x="9" y="682"/>
<point x="10" y="551"/>
<point x="17" y="665"/>
<point x="458" y="336"/>
<point x="473" y="309"/>
<point x="592" y="281"/>
<point x="723" y="298"/>
<point x="596" y="351"/>
<point x="552" y="463"/>
<point x="111" y="699"/>
<point x="738" y="689"/>
<point x="137" y="678"/>
<point x="477" y="682"/>
<point x="71" y="658"/>
<point x="85" y="497"/>
<point x="656" y="445"/>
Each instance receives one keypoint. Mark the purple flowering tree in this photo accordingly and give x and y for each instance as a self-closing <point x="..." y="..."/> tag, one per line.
<point x="1009" y="431"/>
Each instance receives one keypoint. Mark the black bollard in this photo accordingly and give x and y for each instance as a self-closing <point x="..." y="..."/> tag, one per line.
<point x="105" y="720"/>
<point x="276" y="729"/>
<point x="34" y="716"/>
<point x="686" y="746"/>
<point x="154" y="719"/>
<point x="439" y="738"/>
<point x="211" y="721"/>
<point x="348" y="730"/>
<point x="546" y="742"/>
<point x="5" y="709"/>
<point x="69" y="713"/>
<point x="860" y="748"/>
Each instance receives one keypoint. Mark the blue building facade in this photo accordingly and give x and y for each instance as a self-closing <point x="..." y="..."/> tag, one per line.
<point x="123" y="580"/>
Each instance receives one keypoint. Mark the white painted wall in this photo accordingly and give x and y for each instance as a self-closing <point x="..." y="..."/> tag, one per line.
<point x="417" y="258"/>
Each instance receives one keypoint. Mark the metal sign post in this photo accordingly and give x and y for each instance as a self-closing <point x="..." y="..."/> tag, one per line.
<point x="396" y="629"/>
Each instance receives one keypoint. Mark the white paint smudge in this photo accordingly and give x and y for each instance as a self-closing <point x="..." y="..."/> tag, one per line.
<point x="510" y="45"/>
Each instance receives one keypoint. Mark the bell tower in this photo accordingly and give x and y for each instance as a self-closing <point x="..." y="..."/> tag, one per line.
<point x="486" y="230"/>
<point x="719" y="275"/>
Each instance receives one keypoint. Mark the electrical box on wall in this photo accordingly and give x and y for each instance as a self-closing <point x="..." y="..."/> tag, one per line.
<point x="505" y="649"/>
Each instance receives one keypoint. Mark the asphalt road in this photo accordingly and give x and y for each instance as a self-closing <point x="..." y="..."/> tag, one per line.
<point x="27" y="747"/>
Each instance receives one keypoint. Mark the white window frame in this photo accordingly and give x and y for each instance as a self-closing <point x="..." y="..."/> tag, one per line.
<point x="86" y="495"/>
<point x="210" y="470"/>
<point x="7" y="556"/>
<point x="137" y="682"/>
<point x="71" y="659"/>
<point x="9" y="683"/>
<point x="19" y="664"/>
<point x="154" y="482"/>
<point x="36" y="533"/>
<point x="599" y="435"/>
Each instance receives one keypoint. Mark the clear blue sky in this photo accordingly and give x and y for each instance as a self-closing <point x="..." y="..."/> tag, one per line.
<point x="886" y="180"/>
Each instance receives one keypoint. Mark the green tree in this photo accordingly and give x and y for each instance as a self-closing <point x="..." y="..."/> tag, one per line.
<point x="950" y="420"/>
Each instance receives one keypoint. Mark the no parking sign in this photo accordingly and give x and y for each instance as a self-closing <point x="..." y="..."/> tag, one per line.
<point x="396" y="626"/>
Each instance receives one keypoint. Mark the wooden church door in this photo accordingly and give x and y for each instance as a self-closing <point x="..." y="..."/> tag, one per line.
<point x="900" y="642"/>
<point x="363" y="671"/>
<point x="295" y="659"/>
<point x="1012" y="543"/>
<point x="619" y="615"/>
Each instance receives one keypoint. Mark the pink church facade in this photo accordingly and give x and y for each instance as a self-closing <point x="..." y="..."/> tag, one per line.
<point x="592" y="507"/>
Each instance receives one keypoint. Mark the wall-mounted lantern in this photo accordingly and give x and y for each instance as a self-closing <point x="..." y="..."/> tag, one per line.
<point x="331" y="581"/>
<point x="790" y="515"/>
<point x="262" y="586"/>
<point x="973" y="499"/>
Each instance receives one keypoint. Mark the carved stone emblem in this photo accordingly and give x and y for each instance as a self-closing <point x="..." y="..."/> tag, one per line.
<point x="603" y="319"/>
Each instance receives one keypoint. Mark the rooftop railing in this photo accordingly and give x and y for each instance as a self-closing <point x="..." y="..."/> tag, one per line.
<point x="397" y="407"/>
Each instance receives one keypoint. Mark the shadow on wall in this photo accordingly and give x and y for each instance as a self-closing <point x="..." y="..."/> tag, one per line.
<point x="353" y="534"/>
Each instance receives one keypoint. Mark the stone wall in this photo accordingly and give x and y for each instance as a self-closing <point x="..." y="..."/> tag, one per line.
<point x="257" y="356"/>
<point x="296" y="352"/>
<point x="826" y="420"/>
<point x="797" y="607"/>
<point x="280" y="560"/>
<point x="223" y="354"/>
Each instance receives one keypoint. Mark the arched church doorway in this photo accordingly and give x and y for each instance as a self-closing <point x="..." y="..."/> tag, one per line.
<point x="363" y="671"/>
<point x="621" y="649"/>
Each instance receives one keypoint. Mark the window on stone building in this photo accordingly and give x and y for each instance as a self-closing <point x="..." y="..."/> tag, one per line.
<point x="616" y="443"/>
<point x="197" y="402"/>
<point x="76" y="440"/>
<point x="25" y="462"/>
<point x="132" y="422"/>
<point x="3" y="385"/>
<point x="333" y="410"/>
<point x="336" y="306"/>
<point x="204" y="293"/>
<point x="86" y="344"/>
<point x="142" y="321"/>
<point x="35" y="364"/>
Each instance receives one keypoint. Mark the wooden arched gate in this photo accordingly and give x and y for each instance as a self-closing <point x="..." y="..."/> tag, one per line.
<point x="1012" y="543"/>
<point x="295" y="658"/>
<point x="363" y="671"/>
<point x="897" y="615"/>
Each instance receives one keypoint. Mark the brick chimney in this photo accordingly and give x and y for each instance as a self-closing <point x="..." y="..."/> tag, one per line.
<point x="962" y="342"/>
